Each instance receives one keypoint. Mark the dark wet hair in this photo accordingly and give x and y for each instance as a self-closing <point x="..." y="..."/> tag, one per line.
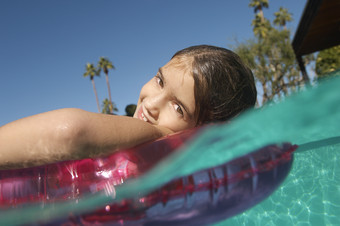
<point x="224" y="86"/>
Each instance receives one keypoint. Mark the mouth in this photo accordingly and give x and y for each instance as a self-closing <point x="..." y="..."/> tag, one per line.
<point x="141" y="115"/>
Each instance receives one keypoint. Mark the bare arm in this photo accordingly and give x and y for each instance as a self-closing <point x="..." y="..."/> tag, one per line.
<point x="70" y="134"/>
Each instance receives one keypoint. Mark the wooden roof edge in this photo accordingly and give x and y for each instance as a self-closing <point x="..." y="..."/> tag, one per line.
<point x="309" y="13"/>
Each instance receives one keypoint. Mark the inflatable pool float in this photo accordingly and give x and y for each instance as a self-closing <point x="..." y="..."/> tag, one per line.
<point x="205" y="196"/>
<point x="309" y="195"/>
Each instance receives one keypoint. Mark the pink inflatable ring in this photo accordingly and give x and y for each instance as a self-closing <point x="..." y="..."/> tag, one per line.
<point x="204" y="197"/>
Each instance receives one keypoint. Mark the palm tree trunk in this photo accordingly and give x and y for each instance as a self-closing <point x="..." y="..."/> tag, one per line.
<point x="109" y="90"/>
<point x="95" y="93"/>
<point x="261" y="14"/>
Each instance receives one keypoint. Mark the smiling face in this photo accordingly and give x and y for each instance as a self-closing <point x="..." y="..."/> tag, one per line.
<point x="168" y="99"/>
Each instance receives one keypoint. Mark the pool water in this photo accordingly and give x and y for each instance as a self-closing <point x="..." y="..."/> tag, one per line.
<point x="309" y="196"/>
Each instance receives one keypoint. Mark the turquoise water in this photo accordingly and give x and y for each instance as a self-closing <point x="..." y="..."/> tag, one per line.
<point x="309" y="196"/>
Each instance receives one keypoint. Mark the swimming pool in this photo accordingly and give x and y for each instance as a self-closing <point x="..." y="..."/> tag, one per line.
<point x="311" y="193"/>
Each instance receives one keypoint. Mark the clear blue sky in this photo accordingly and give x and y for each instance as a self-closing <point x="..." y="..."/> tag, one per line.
<point x="44" y="45"/>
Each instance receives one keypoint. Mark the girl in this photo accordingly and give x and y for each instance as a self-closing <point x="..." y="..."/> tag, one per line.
<point x="200" y="84"/>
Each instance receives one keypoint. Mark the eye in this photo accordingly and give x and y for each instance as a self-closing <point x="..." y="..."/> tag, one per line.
<point x="159" y="81"/>
<point x="178" y="109"/>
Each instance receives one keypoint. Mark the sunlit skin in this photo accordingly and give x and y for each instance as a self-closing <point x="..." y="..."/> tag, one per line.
<point x="168" y="99"/>
<point x="166" y="105"/>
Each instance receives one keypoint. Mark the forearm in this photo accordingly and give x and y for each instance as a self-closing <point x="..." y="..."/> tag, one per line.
<point x="105" y="133"/>
<point x="69" y="134"/>
<point x="37" y="139"/>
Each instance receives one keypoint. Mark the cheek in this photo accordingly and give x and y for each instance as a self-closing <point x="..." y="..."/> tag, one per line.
<point x="180" y="126"/>
<point x="174" y="123"/>
<point x="142" y="94"/>
<point x="144" y="91"/>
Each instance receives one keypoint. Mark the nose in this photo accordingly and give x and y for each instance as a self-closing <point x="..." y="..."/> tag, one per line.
<point x="153" y="105"/>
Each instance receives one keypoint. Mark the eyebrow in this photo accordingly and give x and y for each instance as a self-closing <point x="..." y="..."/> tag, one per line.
<point x="177" y="100"/>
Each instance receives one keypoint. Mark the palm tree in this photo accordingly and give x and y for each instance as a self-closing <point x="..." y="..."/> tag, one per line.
<point x="104" y="64"/>
<point x="261" y="27"/>
<point x="92" y="71"/>
<point x="282" y="17"/>
<point x="258" y="6"/>
<point x="107" y="107"/>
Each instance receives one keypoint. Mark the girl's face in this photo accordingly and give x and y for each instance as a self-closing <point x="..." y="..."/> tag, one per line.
<point x="168" y="99"/>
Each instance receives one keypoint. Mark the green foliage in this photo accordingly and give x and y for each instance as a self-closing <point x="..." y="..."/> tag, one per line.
<point x="258" y="5"/>
<point x="327" y="61"/>
<point x="282" y="17"/>
<point x="261" y="26"/>
<point x="105" y="64"/>
<point x="270" y="55"/>
<point x="91" y="71"/>
<point x="107" y="107"/>
<point x="130" y="109"/>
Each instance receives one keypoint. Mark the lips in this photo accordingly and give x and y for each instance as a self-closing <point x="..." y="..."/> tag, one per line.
<point x="141" y="115"/>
